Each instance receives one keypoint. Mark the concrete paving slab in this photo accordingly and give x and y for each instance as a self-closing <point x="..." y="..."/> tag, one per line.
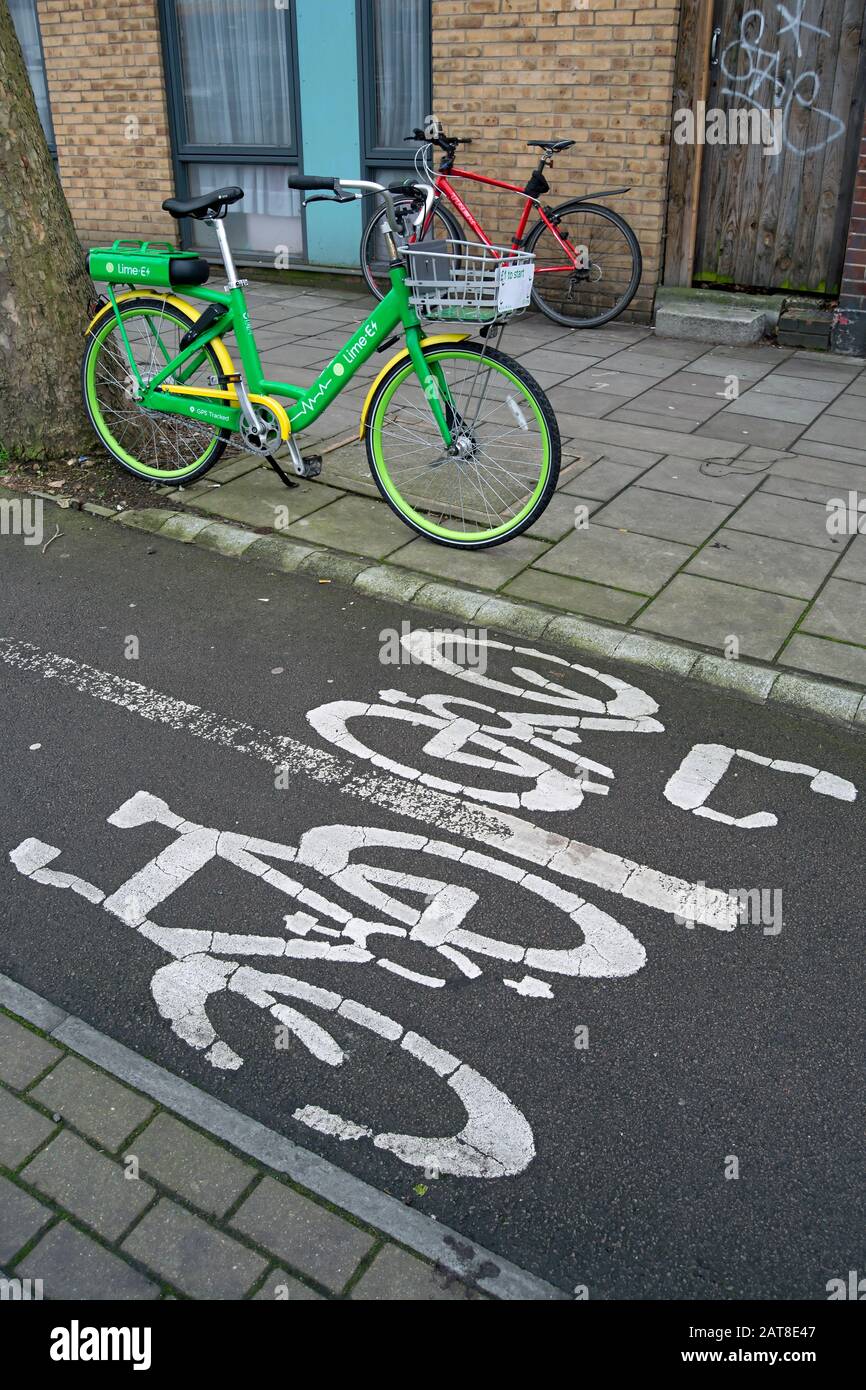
<point x="617" y="559"/>
<point x="197" y="1259"/>
<point x="311" y="1239"/>
<point x="839" y="612"/>
<point x="603" y="480"/>
<point x="764" y="514"/>
<point x="87" y="1184"/>
<point x="560" y="516"/>
<point x="91" y="1102"/>
<point x="23" y="1054"/>
<point x="660" y="400"/>
<point x="395" y="1275"/>
<point x="575" y="596"/>
<point x="802" y="388"/>
<point x="260" y="500"/>
<point x="669" y="420"/>
<point x="644" y="361"/>
<point x="812" y="469"/>
<point x="763" y="403"/>
<point x="614" y="383"/>
<point x="849" y="407"/>
<point x="356" y="524"/>
<point x="749" y="429"/>
<point x="833" y="660"/>
<point x="74" y="1268"/>
<point x="693" y="478"/>
<point x="710" y="613"/>
<point x="482" y="569"/>
<point x="780" y="567"/>
<point x="652" y="513"/>
<point x="835" y="430"/>
<point x="853" y="562"/>
<point x="22" y="1130"/>
<point x="21" y="1218"/>
<point x="567" y="399"/>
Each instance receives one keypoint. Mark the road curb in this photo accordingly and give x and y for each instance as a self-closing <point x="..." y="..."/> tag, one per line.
<point x="751" y="680"/>
<point x="471" y="1263"/>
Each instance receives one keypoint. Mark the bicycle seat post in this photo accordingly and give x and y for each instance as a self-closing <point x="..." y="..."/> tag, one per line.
<point x="233" y="283"/>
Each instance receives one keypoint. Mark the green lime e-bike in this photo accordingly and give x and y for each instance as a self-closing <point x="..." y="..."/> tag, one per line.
<point x="462" y="442"/>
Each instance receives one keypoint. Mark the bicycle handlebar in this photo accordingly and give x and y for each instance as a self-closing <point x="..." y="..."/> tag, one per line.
<point x="443" y="142"/>
<point x="308" y="183"/>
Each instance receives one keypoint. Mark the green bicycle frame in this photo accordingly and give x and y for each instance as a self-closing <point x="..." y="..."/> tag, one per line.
<point x="308" y="402"/>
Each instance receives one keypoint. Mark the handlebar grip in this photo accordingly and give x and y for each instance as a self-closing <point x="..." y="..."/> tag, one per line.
<point x="308" y="182"/>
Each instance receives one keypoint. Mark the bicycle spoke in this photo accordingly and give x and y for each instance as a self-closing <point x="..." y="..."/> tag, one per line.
<point x="492" y="469"/>
<point x="156" y="440"/>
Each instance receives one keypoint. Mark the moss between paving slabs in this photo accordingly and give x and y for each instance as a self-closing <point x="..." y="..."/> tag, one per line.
<point x="219" y="1222"/>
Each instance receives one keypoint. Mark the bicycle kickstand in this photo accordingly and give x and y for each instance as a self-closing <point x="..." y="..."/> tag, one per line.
<point x="281" y="474"/>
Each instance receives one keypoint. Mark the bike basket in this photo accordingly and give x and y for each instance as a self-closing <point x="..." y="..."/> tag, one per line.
<point x="468" y="282"/>
<point x="146" y="263"/>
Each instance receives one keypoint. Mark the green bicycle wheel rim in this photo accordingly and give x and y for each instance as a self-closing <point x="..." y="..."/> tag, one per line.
<point x="432" y="528"/>
<point x="142" y="469"/>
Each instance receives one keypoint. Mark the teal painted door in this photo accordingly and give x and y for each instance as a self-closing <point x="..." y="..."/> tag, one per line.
<point x="330" y="122"/>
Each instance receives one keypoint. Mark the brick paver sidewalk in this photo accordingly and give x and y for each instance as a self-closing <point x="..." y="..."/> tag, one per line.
<point x="106" y="1195"/>
<point x="708" y="516"/>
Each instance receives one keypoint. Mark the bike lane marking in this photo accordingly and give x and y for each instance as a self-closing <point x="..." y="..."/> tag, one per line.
<point x="511" y="834"/>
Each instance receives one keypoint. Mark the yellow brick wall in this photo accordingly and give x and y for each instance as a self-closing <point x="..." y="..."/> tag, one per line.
<point x="596" y="71"/>
<point x="108" y="104"/>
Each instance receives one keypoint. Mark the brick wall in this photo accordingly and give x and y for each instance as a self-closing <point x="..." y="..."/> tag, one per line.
<point x="107" y="90"/>
<point x="596" y="71"/>
<point x="849" y="325"/>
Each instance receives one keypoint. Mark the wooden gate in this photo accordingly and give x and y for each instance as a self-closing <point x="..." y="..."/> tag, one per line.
<point x="776" y="220"/>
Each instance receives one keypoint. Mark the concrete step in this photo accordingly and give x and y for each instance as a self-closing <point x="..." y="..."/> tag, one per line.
<point x="710" y="316"/>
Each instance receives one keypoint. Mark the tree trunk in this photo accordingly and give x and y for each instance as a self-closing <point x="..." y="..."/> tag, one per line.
<point x="44" y="286"/>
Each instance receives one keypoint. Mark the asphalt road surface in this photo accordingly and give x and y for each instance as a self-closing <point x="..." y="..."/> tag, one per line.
<point x="593" y="1068"/>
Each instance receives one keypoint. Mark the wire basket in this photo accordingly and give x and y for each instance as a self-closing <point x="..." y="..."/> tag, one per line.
<point x="468" y="282"/>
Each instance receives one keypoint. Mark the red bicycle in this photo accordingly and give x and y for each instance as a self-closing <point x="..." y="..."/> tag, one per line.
<point x="587" y="258"/>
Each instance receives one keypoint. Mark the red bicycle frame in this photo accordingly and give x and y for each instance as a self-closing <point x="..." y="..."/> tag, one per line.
<point x="441" y="183"/>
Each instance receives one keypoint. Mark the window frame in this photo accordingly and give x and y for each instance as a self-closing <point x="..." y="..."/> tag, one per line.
<point x="51" y="141"/>
<point x="185" y="152"/>
<point x="384" y="156"/>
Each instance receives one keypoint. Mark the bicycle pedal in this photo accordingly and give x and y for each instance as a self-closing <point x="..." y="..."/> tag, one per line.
<point x="310" y="467"/>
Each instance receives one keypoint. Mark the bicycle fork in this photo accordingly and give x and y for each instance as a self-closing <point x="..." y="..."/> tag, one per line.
<point x="432" y="379"/>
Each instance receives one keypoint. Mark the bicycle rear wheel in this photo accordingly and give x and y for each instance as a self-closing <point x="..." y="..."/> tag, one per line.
<point x="605" y="286"/>
<point x="156" y="446"/>
<point x="501" y="470"/>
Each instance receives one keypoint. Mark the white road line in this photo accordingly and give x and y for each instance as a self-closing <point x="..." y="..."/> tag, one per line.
<point x="509" y="834"/>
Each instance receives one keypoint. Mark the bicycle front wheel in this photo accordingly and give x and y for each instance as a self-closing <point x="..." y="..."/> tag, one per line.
<point x="375" y="260"/>
<point x="499" y="473"/>
<point x="596" y="277"/>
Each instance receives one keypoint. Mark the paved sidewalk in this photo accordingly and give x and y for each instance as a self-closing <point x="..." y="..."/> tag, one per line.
<point x="708" y="517"/>
<point x="106" y="1195"/>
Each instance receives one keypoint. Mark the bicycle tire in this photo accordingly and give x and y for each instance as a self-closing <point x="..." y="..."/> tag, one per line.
<point x="97" y="339"/>
<point x="622" y="303"/>
<point x="549" y="434"/>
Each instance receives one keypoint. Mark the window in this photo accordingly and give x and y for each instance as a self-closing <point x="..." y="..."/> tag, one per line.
<point x="395" y="62"/>
<point x="232" y="90"/>
<point x="26" y="22"/>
